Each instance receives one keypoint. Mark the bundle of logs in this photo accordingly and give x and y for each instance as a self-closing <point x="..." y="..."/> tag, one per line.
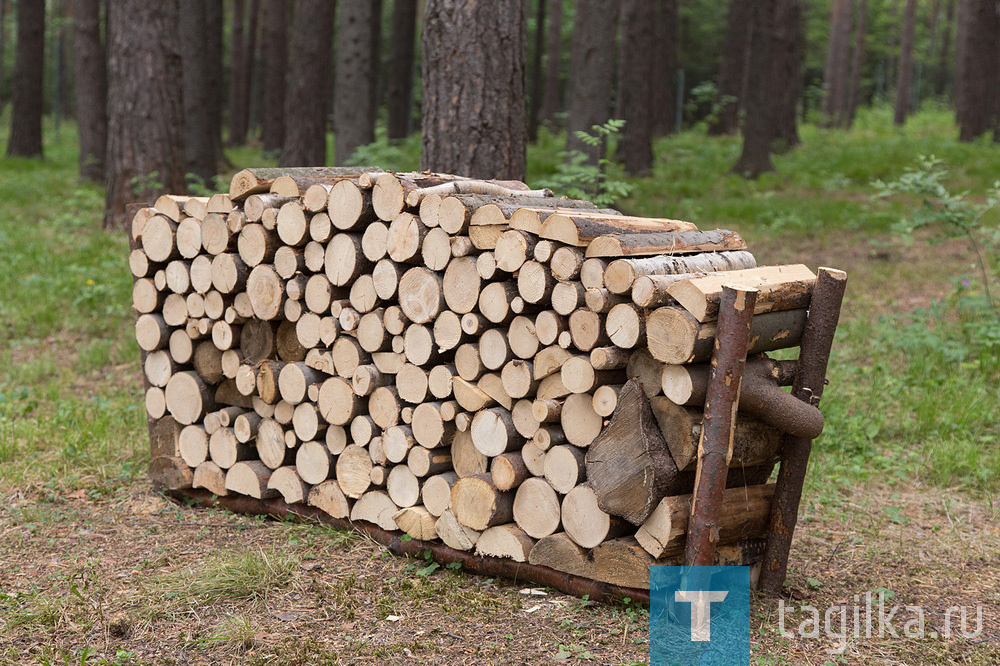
<point x="514" y="374"/>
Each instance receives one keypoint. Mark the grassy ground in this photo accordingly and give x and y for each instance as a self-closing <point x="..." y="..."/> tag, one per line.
<point x="900" y="496"/>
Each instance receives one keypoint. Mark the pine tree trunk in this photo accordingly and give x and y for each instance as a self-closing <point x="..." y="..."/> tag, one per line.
<point x="308" y="78"/>
<point x="734" y="68"/>
<point x="356" y="86"/>
<point x="944" y="57"/>
<point x="552" y="99"/>
<point x="474" y="52"/>
<point x="3" y="59"/>
<point x="591" y="72"/>
<point x="214" y="68"/>
<point x="237" y="61"/>
<point x="636" y="84"/>
<point x="536" y="71"/>
<point x="26" y="113"/>
<point x="980" y="74"/>
<point x="399" y="88"/>
<point x="904" y="78"/>
<point x="857" y="62"/>
<point x="274" y="61"/>
<point x="665" y="68"/>
<point x="199" y="149"/>
<point x="788" y="49"/>
<point x="835" y="72"/>
<point x="91" y="88"/>
<point x="145" y="118"/>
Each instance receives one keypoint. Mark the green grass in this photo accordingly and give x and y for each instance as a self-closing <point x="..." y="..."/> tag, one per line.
<point x="242" y="575"/>
<point x="912" y="398"/>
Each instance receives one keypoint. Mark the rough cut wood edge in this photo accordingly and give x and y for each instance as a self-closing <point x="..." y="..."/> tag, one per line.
<point x="393" y="542"/>
<point x="680" y="242"/>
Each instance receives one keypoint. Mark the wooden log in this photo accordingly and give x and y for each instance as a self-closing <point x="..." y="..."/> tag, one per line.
<point x="781" y="288"/>
<point x="256" y="245"/>
<point x="435" y="250"/>
<point x="250" y="478"/>
<point x="548" y="326"/>
<point x="534" y="458"/>
<point x="535" y="283"/>
<point x="348" y="355"/>
<point x="424" y="462"/>
<point x="288" y="261"/>
<point x="329" y="498"/>
<point x="159" y="239"/>
<point x="491" y="384"/>
<point x="187" y="397"/>
<point x="211" y="477"/>
<point x="581" y="229"/>
<point x="743" y="514"/>
<point x="216" y="236"/>
<point x="337" y="401"/>
<point x="349" y="206"/>
<point x="192" y="445"/>
<point x="377" y="508"/>
<point x="513" y="249"/>
<point x="682" y="242"/>
<point x="618" y="561"/>
<point x="674" y="336"/>
<point x="564" y="467"/>
<point x="621" y="274"/>
<point x="586" y="329"/>
<point x="454" y="534"/>
<point x="421" y="295"/>
<point x="435" y="492"/>
<point x="405" y="238"/>
<point x="466" y="458"/>
<point x="353" y="470"/>
<point x="245" y="426"/>
<point x="430" y="429"/>
<point x="417" y="522"/>
<point x="605" y="399"/>
<point x="508" y="471"/>
<point x="628" y="464"/>
<point x="383" y="406"/>
<point x="345" y="260"/>
<point x="374" y="241"/>
<point x="625" y="326"/>
<point x="579" y="376"/>
<point x="266" y="292"/>
<point x="270" y="443"/>
<point x="478" y="504"/>
<point x="259" y="180"/>
<point x="567" y="297"/>
<point x="170" y="473"/>
<point x="403" y="487"/>
<point x="289" y="485"/>
<point x="524" y="418"/>
<point x="584" y="521"/>
<point x="505" y="541"/>
<point x="651" y="291"/>
<point x="536" y="508"/>
<point x="493" y="432"/>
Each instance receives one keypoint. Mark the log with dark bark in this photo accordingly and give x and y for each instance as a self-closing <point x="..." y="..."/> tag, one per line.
<point x="91" y="88"/>
<point x="306" y="99"/>
<point x="715" y="449"/>
<point x="808" y="386"/>
<point x="484" y="136"/>
<point x="26" y="110"/>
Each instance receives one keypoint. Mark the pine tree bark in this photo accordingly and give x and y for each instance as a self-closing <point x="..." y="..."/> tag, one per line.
<point x="734" y="70"/>
<point x="536" y="71"/>
<point x="980" y="74"/>
<point x="199" y="147"/>
<point x="473" y="73"/>
<point x="775" y="64"/>
<point x="635" y="92"/>
<point x="904" y="77"/>
<point x="944" y="54"/>
<point x="306" y="98"/>
<point x="213" y="60"/>
<point x="91" y="88"/>
<point x="857" y="63"/>
<point x="591" y="72"/>
<point x="26" y="112"/>
<point x="399" y="83"/>
<point x="356" y="84"/>
<point x="552" y="99"/>
<point x="835" y="71"/>
<point x="145" y="118"/>
<point x="3" y="59"/>
<point x="274" y="63"/>
<point x="665" y="68"/>
<point x="244" y="48"/>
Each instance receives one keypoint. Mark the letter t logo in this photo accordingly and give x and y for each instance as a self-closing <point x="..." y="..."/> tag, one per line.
<point x="701" y="610"/>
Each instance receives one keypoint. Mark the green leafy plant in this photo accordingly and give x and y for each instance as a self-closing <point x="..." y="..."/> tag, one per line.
<point x="954" y="214"/>
<point x="578" y="178"/>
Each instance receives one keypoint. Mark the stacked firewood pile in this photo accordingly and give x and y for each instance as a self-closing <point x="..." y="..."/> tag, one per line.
<point x="476" y="362"/>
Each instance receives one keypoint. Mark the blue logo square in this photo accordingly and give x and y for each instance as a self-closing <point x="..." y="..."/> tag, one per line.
<point x="700" y="616"/>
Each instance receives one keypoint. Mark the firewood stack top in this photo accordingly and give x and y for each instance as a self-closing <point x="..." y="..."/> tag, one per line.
<point x="469" y="361"/>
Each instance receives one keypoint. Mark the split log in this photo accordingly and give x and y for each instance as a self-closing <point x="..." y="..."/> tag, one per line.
<point x="780" y="288"/>
<point x="256" y="181"/>
<point x="660" y="243"/>
<point x="417" y="522"/>
<point x="581" y="229"/>
<point x="328" y="497"/>
<point x="507" y="541"/>
<point x="478" y="504"/>
<point x="287" y="482"/>
<point x="454" y="534"/>
<point x="211" y="477"/>
<point x="250" y="478"/>
<point x="377" y="508"/>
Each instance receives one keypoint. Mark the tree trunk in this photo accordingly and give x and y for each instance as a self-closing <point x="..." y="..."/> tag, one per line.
<point x="904" y="78"/>
<point x="857" y="62"/>
<point x="26" y="114"/>
<point x="199" y="148"/>
<point x="665" y="68"/>
<point x="474" y="52"/>
<point x="91" y="88"/>
<point x="3" y="59"/>
<point x="944" y="57"/>
<point x="356" y="87"/>
<point x="244" y="46"/>
<point x="636" y="84"/>
<point x="536" y="71"/>
<point x="214" y="68"/>
<point x="552" y="100"/>
<point x="591" y="72"/>
<point x="979" y="71"/>
<point x="399" y="88"/>
<point x="274" y="61"/>
<point x="775" y="61"/>
<point x="835" y="72"/>
<point x="734" y="69"/>
<point x="308" y="82"/>
<point x="145" y="119"/>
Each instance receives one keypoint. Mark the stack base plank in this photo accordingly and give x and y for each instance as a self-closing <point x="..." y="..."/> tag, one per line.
<point x="505" y="376"/>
